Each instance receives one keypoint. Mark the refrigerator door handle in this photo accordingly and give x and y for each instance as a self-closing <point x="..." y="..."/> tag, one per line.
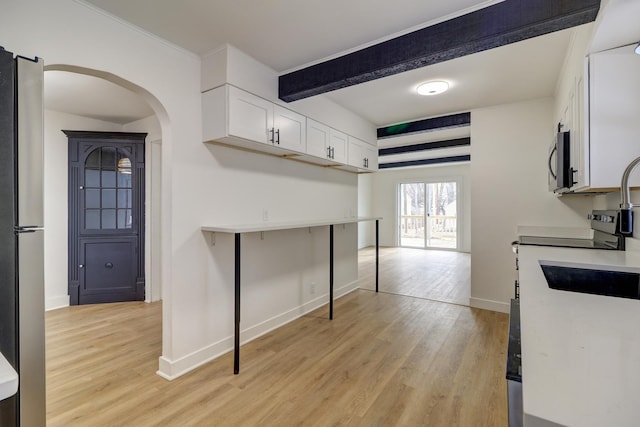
<point x="28" y="228"/>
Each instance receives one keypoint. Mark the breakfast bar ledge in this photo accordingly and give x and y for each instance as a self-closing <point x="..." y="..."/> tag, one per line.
<point x="238" y="230"/>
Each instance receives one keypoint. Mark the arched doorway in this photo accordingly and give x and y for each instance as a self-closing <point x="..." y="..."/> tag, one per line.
<point x="89" y="100"/>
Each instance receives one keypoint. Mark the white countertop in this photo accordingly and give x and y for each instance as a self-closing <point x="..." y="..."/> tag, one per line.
<point x="8" y="379"/>
<point x="274" y="226"/>
<point x="580" y="352"/>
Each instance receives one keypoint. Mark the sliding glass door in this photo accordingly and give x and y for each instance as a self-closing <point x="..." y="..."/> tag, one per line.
<point x="427" y="215"/>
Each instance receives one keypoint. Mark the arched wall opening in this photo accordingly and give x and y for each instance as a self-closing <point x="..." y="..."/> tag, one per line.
<point x="56" y="181"/>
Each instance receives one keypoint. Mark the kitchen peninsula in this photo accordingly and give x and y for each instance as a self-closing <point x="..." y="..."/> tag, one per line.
<point x="580" y="352"/>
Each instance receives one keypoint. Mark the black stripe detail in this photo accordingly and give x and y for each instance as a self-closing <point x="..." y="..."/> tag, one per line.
<point x="497" y="25"/>
<point x="425" y="146"/>
<point x="426" y="125"/>
<point x="422" y="162"/>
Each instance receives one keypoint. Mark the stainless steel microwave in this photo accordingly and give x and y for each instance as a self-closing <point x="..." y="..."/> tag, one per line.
<point x="559" y="164"/>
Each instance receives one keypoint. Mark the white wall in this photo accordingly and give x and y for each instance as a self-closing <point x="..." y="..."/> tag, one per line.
<point x="385" y="191"/>
<point x="366" y="230"/>
<point x="509" y="188"/>
<point x="56" y="161"/>
<point x="201" y="184"/>
<point x="153" y="204"/>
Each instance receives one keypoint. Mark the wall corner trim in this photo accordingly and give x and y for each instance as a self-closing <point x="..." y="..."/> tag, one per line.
<point x="485" y="304"/>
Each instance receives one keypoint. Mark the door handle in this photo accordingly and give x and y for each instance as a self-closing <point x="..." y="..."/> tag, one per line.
<point x="278" y="134"/>
<point x="81" y="266"/>
<point x="272" y="130"/>
<point x="108" y="265"/>
<point x="549" y="163"/>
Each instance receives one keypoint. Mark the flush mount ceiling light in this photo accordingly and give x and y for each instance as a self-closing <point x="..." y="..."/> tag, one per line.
<point x="432" y="88"/>
<point x="638" y="49"/>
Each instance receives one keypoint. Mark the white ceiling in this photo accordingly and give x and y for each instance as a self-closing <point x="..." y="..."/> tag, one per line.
<point x="290" y="34"/>
<point x="92" y="97"/>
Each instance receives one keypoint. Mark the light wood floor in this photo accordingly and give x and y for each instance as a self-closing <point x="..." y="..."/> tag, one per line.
<point x="385" y="360"/>
<point x="431" y="274"/>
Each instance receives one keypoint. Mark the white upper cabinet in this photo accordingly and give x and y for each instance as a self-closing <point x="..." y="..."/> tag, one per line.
<point x="602" y="114"/>
<point x="318" y="139"/>
<point x="289" y="129"/>
<point x="614" y="116"/>
<point x="234" y="116"/>
<point x="362" y="155"/>
<point x="338" y="143"/>
<point x="250" y="117"/>
<point x="326" y="143"/>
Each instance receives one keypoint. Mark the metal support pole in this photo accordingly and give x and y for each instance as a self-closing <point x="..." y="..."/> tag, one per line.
<point x="236" y="345"/>
<point x="331" y="272"/>
<point x="377" y="250"/>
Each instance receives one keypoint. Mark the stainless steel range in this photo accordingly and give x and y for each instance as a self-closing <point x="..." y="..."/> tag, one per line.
<point x="606" y="234"/>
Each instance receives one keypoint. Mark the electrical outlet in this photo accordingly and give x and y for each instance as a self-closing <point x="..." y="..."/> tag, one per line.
<point x="312" y="288"/>
<point x="265" y="214"/>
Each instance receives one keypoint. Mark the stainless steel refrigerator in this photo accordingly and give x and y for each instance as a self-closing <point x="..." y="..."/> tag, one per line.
<point x="22" y="237"/>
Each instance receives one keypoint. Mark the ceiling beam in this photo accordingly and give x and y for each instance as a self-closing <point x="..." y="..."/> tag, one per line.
<point x="426" y="146"/>
<point x="425" y="125"/>
<point x="503" y="23"/>
<point x="424" y="162"/>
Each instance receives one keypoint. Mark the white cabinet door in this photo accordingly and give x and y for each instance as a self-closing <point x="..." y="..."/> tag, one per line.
<point x="362" y="155"/>
<point x="614" y="110"/>
<point x="318" y="137"/>
<point x="250" y="117"/>
<point x="580" y="146"/>
<point x="289" y="129"/>
<point x="356" y="157"/>
<point x="370" y="153"/>
<point x="338" y="142"/>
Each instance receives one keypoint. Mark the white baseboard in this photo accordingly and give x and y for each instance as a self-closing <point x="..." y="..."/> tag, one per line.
<point x="172" y="369"/>
<point x="56" y="302"/>
<point x="487" y="304"/>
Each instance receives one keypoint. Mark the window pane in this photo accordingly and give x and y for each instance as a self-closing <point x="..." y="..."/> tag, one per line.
<point x="108" y="158"/>
<point x="92" y="199"/>
<point x="108" y="199"/>
<point x="108" y="178"/>
<point x="124" y="218"/>
<point x="108" y="219"/>
<point x="412" y="214"/>
<point x="124" y="170"/>
<point x="93" y="160"/>
<point x="442" y="219"/>
<point x="124" y="198"/>
<point x="92" y="219"/>
<point x="124" y="178"/>
<point x="91" y="178"/>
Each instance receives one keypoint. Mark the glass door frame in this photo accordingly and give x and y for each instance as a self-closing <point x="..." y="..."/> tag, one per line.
<point x="426" y="181"/>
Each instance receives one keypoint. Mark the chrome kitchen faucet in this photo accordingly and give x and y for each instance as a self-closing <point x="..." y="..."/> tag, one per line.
<point x="626" y="216"/>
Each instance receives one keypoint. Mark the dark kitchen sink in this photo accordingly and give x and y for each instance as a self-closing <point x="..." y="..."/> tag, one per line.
<point x="621" y="282"/>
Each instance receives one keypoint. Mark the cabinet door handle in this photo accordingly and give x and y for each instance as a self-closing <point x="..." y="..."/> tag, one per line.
<point x="271" y="138"/>
<point x="278" y="134"/>
<point x="328" y="152"/>
<point x="333" y="152"/>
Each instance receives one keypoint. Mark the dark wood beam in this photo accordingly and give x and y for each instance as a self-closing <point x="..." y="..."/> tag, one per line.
<point x="425" y="146"/>
<point x="503" y="23"/>
<point x="423" y="162"/>
<point x="425" y="125"/>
